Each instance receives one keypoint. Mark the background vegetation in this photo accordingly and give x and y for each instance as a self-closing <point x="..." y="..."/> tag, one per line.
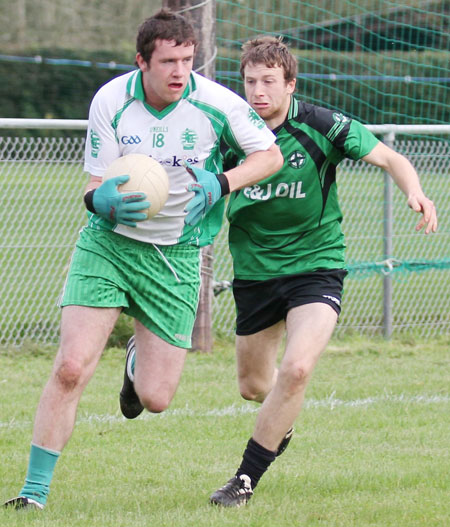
<point x="376" y="60"/>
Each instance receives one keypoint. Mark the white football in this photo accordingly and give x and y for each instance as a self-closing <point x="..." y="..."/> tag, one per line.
<point x="146" y="175"/>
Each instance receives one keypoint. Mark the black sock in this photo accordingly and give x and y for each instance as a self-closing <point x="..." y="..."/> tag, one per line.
<point x="255" y="462"/>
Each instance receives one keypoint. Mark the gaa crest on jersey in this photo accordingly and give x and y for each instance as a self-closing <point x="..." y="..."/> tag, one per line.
<point x="130" y="139"/>
<point x="340" y="118"/>
<point x="297" y="159"/>
<point x="95" y="143"/>
<point x="189" y="139"/>
<point x="255" y="119"/>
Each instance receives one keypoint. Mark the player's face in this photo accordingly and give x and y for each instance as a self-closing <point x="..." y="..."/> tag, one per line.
<point x="166" y="75"/>
<point x="267" y="92"/>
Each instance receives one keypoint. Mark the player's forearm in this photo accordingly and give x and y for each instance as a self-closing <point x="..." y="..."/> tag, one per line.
<point x="404" y="176"/>
<point x="93" y="183"/>
<point x="257" y="166"/>
<point x="88" y="195"/>
<point x="399" y="168"/>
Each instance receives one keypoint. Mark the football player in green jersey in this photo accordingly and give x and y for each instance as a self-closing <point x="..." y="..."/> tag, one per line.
<point x="288" y="251"/>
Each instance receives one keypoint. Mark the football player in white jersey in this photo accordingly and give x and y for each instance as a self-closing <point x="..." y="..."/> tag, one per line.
<point x="149" y="269"/>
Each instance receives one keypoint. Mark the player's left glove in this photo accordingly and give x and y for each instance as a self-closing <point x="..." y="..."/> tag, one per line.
<point x="208" y="188"/>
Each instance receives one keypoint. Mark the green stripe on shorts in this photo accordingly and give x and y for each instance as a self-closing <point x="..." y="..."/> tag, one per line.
<point x="157" y="285"/>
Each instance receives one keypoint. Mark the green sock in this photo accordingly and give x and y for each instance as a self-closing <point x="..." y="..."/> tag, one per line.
<point x="40" y="472"/>
<point x="133" y="362"/>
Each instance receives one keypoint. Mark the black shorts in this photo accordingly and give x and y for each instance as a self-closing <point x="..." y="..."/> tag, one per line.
<point x="262" y="303"/>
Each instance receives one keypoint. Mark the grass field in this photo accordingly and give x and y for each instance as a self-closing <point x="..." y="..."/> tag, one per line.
<point x="371" y="446"/>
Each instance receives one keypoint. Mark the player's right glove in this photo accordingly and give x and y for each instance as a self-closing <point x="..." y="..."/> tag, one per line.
<point x="114" y="206"/>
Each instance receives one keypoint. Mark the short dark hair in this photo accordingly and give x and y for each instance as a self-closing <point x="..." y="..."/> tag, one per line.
<point x="163" y="25"/>
<point x="270" y="51"/>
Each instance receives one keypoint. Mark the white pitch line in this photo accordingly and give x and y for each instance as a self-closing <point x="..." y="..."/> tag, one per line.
<point x="330" y="402"/>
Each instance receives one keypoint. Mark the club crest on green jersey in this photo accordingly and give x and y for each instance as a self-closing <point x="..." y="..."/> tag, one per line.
<point x="340" y="118"/>
<point x="297" y="159"/>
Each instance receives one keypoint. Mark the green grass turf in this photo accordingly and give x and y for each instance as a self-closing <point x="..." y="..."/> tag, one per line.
<point x="371" y="445"/>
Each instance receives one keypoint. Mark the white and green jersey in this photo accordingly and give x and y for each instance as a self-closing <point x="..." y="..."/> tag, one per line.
<point x="191" y="129"/>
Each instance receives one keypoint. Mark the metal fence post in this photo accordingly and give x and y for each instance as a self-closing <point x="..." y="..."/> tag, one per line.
<point x="388" y="140"/>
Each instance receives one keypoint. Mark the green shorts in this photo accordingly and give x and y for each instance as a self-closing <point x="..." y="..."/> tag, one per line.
<point x="157" y="285"/>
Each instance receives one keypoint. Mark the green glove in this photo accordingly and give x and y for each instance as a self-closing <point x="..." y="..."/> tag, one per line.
<point x="208" y="188"/>
<point x="119" y="207"/>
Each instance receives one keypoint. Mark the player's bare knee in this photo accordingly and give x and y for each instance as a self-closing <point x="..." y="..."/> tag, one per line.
<point x="69" y="374"/>
<point x="295" y="375"/>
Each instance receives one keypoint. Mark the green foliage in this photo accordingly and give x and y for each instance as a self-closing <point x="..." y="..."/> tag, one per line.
<point x="381" y="92"/>
<point x="65" y="92"/>
<point x="365" y="40"/>
<point x="40" y="90"/>
<point x="370" y="447"/>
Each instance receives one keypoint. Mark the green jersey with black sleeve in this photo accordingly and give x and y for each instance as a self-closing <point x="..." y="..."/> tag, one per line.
<point x="290" y="222"/>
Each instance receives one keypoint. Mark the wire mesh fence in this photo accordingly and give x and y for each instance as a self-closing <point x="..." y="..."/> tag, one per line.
<point x="418" y="267"/>
<point x="41" y="185"/>
<point x="377" y="60"/>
